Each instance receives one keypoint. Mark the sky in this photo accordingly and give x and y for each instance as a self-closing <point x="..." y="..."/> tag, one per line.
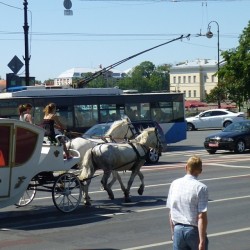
<point x="105" y="32"/>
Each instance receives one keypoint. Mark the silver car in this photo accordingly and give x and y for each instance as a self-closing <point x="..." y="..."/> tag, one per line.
<point x="213" y="118"/>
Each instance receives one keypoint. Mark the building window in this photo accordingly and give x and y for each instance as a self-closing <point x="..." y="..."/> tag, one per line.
<point x="194" y="79"/>
<point x="189" y="93"/>
<point x="184" y="79"/>
<point x="174" y="80"/>
<point x="189" y="79"/>
<point x="185" y="94"/>
<point x="205" y="78"/>
<point x="179" y="79"/>
<point x="212" y="78"/>
<point x="194" y="93"/>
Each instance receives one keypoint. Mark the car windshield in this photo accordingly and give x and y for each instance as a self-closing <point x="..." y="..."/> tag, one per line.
<point x="97" y="130"/>
<point x="238" y="126"/>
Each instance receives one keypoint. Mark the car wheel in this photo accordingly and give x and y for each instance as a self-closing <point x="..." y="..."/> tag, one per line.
<point x="211" y="151"/>
<point x="227" y="123"/>
<point x="152" y="156"/>
<point x="190" y="127"/>
<point x="240" y="147"/>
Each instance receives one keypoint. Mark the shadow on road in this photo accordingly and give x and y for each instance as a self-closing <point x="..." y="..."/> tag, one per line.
<point x="48" y="217"/>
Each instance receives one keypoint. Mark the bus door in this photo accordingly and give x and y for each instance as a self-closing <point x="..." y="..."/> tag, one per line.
<point x="5" y="156"/>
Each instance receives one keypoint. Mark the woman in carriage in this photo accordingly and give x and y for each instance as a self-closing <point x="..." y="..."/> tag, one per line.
<point x="50" y="122"/>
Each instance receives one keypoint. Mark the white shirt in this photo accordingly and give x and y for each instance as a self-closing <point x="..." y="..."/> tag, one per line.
<point x="186" y="199"/>
<point x="23" y="117"/>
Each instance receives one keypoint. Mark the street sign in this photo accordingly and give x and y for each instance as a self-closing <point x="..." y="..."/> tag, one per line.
<point x="67" y="5"/>
<point x="68" y="12"/>
<point x="15" y="64"/>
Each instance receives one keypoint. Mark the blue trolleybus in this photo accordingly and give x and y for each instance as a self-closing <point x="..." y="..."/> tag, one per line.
<point x="82" y="108"/>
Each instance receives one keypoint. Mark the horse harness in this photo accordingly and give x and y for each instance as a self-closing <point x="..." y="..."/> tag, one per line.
<point x="138" y="157"/>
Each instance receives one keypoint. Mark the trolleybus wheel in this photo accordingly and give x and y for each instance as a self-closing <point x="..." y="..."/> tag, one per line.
<point x="28" y="195"/>
<point x="67" y="192"/>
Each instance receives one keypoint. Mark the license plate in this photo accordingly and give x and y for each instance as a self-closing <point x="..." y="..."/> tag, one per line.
<point x="213" y="145"/>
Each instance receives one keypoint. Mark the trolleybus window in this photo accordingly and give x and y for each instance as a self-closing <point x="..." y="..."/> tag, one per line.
<point x="86" y="115"/>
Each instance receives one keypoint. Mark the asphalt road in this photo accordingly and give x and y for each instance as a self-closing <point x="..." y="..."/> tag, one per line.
<point x="143" y="223"/>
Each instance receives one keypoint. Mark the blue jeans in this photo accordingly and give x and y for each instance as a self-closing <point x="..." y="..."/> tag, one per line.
<point x="186" y="238"/>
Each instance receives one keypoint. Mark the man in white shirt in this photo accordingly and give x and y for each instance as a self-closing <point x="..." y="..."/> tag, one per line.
<point x="187" y="201"/>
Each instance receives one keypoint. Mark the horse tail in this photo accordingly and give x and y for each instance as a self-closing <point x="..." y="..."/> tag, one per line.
<point x="87" y="166"/>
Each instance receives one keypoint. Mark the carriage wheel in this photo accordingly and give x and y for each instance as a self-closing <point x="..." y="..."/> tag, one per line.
<point x="67" y="192"/>
<point x="28" y="195"/>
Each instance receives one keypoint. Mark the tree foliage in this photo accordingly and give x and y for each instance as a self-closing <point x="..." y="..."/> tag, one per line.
<point x="145" y="77"/>
<point x="234" y="76"/>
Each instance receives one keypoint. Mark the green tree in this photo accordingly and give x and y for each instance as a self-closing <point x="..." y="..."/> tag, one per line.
<point x="235" y="74"/>
<point x="49" y="81"/>
<point x="146" y="77"/>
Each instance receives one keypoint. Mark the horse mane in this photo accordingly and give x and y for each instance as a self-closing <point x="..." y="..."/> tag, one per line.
<point x="119" y="129"/>
<point x="115" y="125"/>
<point x="144" y="136"/>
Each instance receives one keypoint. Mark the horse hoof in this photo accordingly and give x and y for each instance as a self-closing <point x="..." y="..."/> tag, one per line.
<point x="140" y="191"/>
<point x="87" y="203"/>
<point x="127" y="199"/>
<point x="111" y="197"/>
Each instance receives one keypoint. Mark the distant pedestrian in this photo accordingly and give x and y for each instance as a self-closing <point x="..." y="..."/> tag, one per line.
<point x="25" y="112"/>
<point x="187" y="201"/>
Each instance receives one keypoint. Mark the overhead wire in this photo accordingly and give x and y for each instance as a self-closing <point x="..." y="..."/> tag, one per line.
<point x="30" y="33"/>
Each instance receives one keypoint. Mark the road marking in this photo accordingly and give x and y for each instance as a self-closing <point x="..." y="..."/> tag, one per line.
<point x="170" y="242"/>
<point x="227" y="166"/>
<point x="181" y="164"/>
<point x="230" y="199"/>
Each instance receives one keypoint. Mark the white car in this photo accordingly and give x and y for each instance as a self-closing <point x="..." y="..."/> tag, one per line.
<point x="213" y="118"/>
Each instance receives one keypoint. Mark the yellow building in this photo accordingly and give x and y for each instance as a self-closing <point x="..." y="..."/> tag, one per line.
<point x="195" y="79"/>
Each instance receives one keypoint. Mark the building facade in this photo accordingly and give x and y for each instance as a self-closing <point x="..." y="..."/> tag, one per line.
<point x="195" y="79"/>
<point x="66" y="78"/>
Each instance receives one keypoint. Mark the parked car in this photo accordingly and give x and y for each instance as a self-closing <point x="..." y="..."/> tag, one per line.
<point x="235" y="137"/>
<point x="98" y="130"/>
<point x="213" y="118"/>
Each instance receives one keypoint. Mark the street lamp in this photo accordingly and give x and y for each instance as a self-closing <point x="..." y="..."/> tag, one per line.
<point x="209" y="35"/>
<point x="26" y="43"/>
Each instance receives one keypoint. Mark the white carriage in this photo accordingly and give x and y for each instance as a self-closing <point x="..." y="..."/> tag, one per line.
<point x="27" y="164"/>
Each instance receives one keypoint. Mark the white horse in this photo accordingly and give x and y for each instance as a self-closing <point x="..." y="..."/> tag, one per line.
<point x="120" y="130"/>
<point x="118" y="157"/>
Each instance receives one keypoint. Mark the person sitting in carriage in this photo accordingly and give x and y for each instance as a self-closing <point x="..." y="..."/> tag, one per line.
<point x="50" y="122"/>
<point x="25" y="112"/>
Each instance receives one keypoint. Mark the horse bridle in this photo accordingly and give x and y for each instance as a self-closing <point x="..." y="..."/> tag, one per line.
<point x="159" y="144"/>
<point x="133" y="131"/>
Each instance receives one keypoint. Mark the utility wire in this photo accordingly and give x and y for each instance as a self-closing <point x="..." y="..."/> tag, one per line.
<point x="11" y="6"/>
<point x="86" y="80"/>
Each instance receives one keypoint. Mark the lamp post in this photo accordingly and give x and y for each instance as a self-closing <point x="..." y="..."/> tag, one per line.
<point x="209" y="35"/>
<point x="26" y="44"/>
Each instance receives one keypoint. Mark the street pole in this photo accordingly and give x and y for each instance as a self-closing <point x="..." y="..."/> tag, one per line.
<point x="26" y="43"/>
<point x="210" y="35"/>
